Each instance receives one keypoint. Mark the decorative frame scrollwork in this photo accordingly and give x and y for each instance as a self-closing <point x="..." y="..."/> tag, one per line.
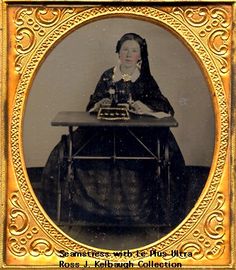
<point x="206" y="30"/>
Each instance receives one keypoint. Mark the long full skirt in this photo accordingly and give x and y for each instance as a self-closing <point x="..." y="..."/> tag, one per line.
<point x="123" y="188"/>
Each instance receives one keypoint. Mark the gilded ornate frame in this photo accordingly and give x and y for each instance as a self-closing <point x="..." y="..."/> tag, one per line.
<point x="28" y="238"/>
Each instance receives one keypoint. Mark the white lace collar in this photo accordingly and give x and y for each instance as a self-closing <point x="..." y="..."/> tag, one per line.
<point x="117" y="75"/>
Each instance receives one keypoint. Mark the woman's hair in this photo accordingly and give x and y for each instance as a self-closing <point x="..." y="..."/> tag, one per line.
<point x="145" y="70"/>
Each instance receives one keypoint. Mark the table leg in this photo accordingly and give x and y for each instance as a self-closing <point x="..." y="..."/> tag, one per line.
<point x="60" y="163"/>
<point x="114" y="145"/>
<point x="163" y="177"/>
<point x="158" y="171"/>
<point x="168" y="176"/>
<point x="70" y="172"/>
<point x="59" y="193"/>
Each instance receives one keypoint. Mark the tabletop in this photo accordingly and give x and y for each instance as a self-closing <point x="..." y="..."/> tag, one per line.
<point x="75" y="118"/>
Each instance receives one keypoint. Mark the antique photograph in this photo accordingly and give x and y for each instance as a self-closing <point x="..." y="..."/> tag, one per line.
<point x="119" y="133"/>
<point x="118" y="139"/>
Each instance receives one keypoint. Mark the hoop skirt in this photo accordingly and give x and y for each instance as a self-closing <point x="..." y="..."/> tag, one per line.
<point x="117" y="191"/>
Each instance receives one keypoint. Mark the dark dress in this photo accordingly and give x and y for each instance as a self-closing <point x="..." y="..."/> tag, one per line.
<point x="117" y="191"/>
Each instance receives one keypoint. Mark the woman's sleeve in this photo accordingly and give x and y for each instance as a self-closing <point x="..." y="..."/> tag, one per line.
<point x="100" y="91"/>
<point x="155" y="100"/>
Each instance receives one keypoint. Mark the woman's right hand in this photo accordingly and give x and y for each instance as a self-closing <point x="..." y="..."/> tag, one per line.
<point x="106" y="102"/>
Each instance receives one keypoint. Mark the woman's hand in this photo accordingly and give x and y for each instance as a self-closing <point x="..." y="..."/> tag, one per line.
<point x="139" y="107"/>
<point x="106" y="102"/>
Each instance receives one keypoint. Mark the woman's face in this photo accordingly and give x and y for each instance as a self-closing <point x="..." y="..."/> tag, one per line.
<point x="129" y="53"/>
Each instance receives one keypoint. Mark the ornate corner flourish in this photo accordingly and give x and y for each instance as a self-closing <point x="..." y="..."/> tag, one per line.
<point x="33" y="24"/>
<point x="209" y="241"/>
<point x="23" y="238"/>
<point x="213" y="27"/>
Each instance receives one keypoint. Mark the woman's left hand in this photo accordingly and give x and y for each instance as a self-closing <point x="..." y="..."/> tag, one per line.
<point x="139" y="107"/>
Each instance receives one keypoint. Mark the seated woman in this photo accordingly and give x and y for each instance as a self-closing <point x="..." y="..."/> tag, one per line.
<point x="124" y="191"/>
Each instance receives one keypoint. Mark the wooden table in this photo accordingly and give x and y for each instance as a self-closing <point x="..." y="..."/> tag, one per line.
<point x="73" y="119"/>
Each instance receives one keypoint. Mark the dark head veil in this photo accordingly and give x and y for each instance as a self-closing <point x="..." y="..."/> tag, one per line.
<point x="145" y="69"/>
